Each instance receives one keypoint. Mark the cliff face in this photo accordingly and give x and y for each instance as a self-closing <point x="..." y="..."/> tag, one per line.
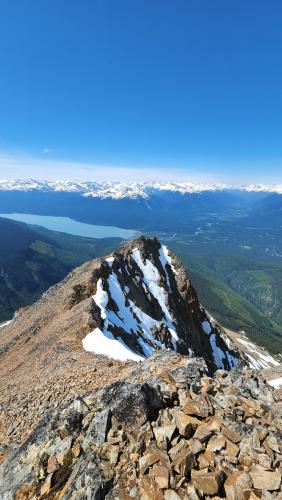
<point x="144" y="301"/>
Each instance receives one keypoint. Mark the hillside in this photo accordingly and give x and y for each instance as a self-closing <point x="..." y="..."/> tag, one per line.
<point x="33" y="259"/>
<point x="243" y="294"/>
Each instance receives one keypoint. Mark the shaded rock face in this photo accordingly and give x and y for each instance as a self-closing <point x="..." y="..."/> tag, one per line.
<point x="144" y="300"/>
<point x="179" y="434"/>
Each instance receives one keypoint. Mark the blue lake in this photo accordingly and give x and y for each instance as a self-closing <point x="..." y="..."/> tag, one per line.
<point x="70" y="226"/>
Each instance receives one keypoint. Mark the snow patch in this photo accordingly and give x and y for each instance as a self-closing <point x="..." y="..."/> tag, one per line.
<point x="5" y="324"/>
<point x="260" y="360"/>
<point x="218" y="354"/>
<point x="206" y="327"/>
<point x="110" y="261"/>
<point x="99" y="343"/>
<point x="275" y="382"/>
<point x="151" y="279"/>
<point x="101" y="298"/>
<point x="165" y="258"/>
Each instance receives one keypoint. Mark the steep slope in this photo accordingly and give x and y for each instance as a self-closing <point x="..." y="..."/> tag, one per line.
<point x="144" y="300"/>
<point x="267" y="212"/>
<point x="33" y="259"/>
<point x="213" y="277"/>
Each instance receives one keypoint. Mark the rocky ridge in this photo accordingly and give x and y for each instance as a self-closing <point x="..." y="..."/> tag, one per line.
<point x="141" y="285"/>
<point x="68" y="374"/>
<point x="168" y="431"/>
<point x="144" y="301"/>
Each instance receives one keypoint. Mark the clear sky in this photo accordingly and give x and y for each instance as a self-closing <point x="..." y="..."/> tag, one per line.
<point x="166" y="89"/>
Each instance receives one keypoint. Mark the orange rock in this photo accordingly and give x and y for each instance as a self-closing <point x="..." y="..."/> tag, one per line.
<point x="231" y="435"/>
<point x="235" y="485"/>
<point x="52" y="464"/>
<point x="46" y="487"/>
<point x="149" y="489"/>
<point x="208" y="483"/>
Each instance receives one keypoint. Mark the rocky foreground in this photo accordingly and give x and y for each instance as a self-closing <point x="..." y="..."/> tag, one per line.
<point x="167" y="431"/>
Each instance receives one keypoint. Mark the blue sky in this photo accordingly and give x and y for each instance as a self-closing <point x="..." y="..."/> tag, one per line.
<point x="141" y="88"/>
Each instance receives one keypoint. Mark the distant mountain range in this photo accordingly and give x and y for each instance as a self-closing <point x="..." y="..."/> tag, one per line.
<point x="121" y="190"/>
<point x="142" y="206"/>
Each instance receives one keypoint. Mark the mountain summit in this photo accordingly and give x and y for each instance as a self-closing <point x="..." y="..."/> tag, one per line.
<point x="144" y="301"/>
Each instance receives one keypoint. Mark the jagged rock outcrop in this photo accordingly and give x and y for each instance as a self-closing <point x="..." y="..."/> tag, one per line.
<point x="168" y="431"/>
<point x="144" y="301"/>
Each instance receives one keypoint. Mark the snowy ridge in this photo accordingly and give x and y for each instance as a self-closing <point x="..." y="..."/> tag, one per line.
<point x="256" y="357"/>
<point x="129" y="316"/>
<point x="219" y="355"/>
<point x="130" y="190"/>
<point x="144" y="302"/>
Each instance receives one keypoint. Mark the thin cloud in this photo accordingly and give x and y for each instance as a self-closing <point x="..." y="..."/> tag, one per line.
<point x="43" y="169"/>
<point x="15" y="167"/>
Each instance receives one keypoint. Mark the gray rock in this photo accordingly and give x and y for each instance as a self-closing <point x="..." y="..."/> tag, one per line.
<point x="96" y="433"/>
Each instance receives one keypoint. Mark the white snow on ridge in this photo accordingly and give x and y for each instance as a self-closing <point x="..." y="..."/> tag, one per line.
<point x="128" y="316"/>
<point x="125" y="319"/>
<point x="151" y="278"/>
<point x="129" y="190"/>
<point x="110" y="261"/>
<point x="164" y="261"/>
<point x="101" y="298"/>
<point x="5" y="324"/>
<point x="260" y="360"/>
<point x="206" y="327"/>
<point x="165" y="258"/>
<point x="276" y="382"/>
<point x="99" y="343"/>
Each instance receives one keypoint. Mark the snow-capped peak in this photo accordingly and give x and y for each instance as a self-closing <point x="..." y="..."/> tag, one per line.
<point x="144" y="302"/>
<point x="130" y="190"/>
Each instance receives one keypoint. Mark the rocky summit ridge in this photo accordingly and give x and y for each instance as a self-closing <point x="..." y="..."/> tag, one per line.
<point x="144" y="301"/>
<point x="166" y="432"/>
<point x="79" y="418"/>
